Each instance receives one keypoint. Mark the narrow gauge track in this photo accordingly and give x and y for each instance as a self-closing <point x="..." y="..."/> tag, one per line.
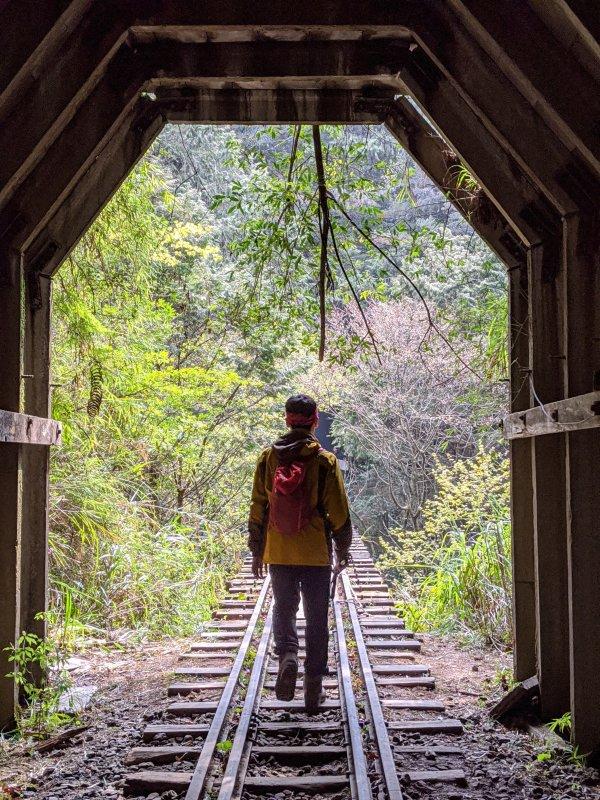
<point x="222" y="735"/>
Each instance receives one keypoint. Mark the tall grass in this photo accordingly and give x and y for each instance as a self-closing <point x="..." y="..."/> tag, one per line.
<point x="455" y="574"/>
<point x="117" y="568"/>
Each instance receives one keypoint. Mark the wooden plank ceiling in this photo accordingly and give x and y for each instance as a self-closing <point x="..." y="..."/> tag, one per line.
<point x="84" y="83"/>
<point x="508" y="88"/>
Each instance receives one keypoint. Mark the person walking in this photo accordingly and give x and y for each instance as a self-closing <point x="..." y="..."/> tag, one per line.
<point x="299" y="522"/>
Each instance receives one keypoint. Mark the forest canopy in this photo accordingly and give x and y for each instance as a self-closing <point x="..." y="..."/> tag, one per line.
<point x="191" y="310"/>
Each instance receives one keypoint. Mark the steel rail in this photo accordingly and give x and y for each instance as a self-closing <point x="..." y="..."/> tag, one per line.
<point x="207" y="753"/>
<point x="363" y="790"/>
<point x="233" y="772"/>
<point x="232" y="782"/>
<point x="380" y="731"/>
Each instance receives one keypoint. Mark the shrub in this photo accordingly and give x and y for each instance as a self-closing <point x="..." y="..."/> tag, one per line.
<point x="454" y="574"/>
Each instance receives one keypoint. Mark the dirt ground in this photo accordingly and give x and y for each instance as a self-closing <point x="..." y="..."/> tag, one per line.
<point x="501" y="764"/>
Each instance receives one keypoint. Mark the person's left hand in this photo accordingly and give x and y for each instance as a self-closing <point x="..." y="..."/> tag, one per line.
<point x="257" y="567"/>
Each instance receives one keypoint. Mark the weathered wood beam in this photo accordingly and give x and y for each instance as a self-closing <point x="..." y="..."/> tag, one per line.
<point x="35" y="461"/>
<point x="494" y="168"/>
<point x="274" y="106"/>
<point x="84" y="130"/>
<point x="564" y="416"/>
<point x="10" y="464"/>
<point x="343" y="13"/>
<point x="31" y="119"/>
<point x="163" y="60"/>
<point x="571" y="32"/>
<point x="521" y="482"/>
<point x="63" y="163"/>
<point x="68" y="157"/>
<point x="166" y="62"/>
<point x="587" y="15"/>
<point x="41" y="100"/>
<point x="130" y="71"/>
<point x="518" y="699"/>
<point x="24" y="27"/>
<point x="16" y="428"/>
<point x="373" y="16"/>
<point x="436" y="158"/>
<point x="202" y="34"/>
<point x="557" y="171"/>
<point x="97" y="185"/>
<point x="581" y="254"/>
<point x="548" y="383"/>
<point x="541" y="73"/>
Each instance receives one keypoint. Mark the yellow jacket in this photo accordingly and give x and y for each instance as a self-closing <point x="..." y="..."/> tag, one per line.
<point x="312" y="545"/>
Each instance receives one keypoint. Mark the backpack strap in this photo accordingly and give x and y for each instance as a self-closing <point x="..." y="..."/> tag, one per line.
<point x="321" y="489"/>
<point x="322" y="478"/>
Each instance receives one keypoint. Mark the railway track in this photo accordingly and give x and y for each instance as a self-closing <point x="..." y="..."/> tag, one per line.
<point x="221" y="734"/>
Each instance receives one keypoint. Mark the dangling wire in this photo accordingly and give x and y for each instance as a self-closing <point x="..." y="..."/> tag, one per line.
<point x="324" y="228"/>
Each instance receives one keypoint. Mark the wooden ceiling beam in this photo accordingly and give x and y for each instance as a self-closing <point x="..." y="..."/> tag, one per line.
<point x="571" y="33"/>
<point x="144" y="121"/>
<point x="24" y="144"/>
<point x="481" y="81"/>
<point x="273" y="59"/>
<point x="435" y="157"/>
<point x="202" y="34"/>
<point x="133" y="69"/>
<point x="325" y="106"/>
<point x="24" y="27"/>
<point x="541" y="73"/>
<point x="106" y="171"/>
<point x="557" y="171"/>
<point x="86" y="133"/>
<point x="92" y="126"/>
<point x="586" y="13"/>
<point x="510" y="189"/>
<point x="90" y="131"/>
<point x="136" y="130"/>
<point x="98" y="183"/>
<point x="48" y="97"/>
<point x="378" y="57"/>
<point x="343" y="13"/>
<point x="79" y="53"/>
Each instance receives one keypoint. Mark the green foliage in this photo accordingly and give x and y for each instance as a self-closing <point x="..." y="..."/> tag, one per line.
<point x="42" y="680"/>
<point x="184" y="317"/>
<point x="249" y="658"/>
<point x="561" y="725"/>
<point x="462" y="555"/>
<point x="156" y="390"/>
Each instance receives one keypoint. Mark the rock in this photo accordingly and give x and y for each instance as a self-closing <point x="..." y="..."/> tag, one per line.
<point x="77" y="698"/>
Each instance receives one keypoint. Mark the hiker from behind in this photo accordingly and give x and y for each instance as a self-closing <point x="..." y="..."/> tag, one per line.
<point x="299" y="521"/>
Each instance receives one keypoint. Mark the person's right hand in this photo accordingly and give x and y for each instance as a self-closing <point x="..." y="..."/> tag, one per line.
<point x="257" y="567"/>
<point x="342" y="557"/>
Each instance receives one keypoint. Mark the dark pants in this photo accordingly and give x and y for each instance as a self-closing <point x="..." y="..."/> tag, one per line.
<point x="313" y="582"/>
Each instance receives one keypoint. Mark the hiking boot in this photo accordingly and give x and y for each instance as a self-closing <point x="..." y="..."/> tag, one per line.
<point x="314" y="696"/>
<point x="285" y="685"/>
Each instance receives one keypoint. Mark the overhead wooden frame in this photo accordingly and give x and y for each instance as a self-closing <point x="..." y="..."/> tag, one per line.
<point x="563" y="416"/>
<point x="26" y="429"/>
<point x="509" y="92"/>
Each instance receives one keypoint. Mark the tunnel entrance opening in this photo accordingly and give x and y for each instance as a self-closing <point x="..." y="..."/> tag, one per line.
<point x="184" y="318"/>
<point x="85" y="89"/>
